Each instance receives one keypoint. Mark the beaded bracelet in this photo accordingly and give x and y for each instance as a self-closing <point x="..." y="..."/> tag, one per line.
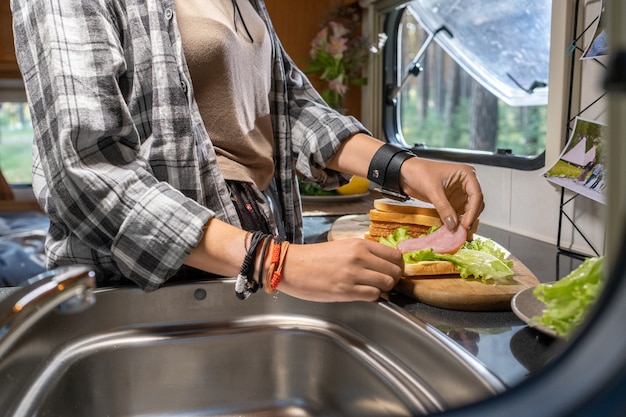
<point x="243" y="289"/>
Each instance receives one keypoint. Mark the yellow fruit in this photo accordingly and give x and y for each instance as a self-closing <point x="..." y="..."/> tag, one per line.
<point x="357" y="185"/>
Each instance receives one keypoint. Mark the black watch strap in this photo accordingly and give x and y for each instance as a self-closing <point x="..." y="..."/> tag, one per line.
<point x="384" y="169"/>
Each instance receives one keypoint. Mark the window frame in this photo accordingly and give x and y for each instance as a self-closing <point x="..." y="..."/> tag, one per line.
<point x="392" y="74"/>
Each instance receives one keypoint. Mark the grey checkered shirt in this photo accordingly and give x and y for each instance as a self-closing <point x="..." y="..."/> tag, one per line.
<point x="122" y="162"/>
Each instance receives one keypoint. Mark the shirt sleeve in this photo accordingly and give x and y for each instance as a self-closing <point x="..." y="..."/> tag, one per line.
<point x="317" y="130"/>
<point x="101" y="187"/>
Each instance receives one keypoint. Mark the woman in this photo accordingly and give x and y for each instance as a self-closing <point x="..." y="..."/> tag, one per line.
<point x="148" y="176"/>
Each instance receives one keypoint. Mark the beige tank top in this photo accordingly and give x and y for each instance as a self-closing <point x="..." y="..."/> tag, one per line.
<point x="228" y="52"/>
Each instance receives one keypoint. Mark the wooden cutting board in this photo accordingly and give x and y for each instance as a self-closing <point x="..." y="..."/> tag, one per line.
<point x="445" y="291"/>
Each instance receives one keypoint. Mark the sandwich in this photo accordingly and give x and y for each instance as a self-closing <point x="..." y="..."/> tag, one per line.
<point x="415" y="218"/>
<point x="387" y="215"/>
<point x="430" y="249"/>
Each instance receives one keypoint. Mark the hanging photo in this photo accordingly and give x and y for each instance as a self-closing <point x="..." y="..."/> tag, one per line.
<point x="581" y="166"/>
<point x="599" y="44"/>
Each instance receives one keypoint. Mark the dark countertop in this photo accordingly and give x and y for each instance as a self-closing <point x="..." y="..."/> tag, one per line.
<point x="501" y="341"/>
<point x="509" y="348"/>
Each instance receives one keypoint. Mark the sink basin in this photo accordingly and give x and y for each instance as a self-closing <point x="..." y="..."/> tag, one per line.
<point x="194" y="349"/>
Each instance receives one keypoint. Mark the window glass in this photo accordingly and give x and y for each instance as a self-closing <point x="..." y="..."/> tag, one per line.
<point x="503" y="44"/>
<point x="16" y="137"/>
<point x="480" y="85"/>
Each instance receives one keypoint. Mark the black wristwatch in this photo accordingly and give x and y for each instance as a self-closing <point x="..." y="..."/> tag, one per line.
<point x="384" y="170"/>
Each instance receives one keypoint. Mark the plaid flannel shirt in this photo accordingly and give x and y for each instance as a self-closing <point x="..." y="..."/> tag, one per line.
<point x="122" y="162"/>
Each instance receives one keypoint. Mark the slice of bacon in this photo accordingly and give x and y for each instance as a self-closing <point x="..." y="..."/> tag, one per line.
<point x="442" y="240"/>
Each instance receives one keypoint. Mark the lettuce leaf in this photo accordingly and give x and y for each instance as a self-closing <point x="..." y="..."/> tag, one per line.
<point x="400" y="234"/>
<point x="396" y="237"/>
<point x="488" y="246"/>
<point x="569" y="299"/>
<point x="481" y="265"/>
<point x="480" y="259"/>
<point x="472" y="264"/>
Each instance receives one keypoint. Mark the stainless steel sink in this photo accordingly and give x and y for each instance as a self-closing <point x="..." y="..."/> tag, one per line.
<point x="194" y="349"/>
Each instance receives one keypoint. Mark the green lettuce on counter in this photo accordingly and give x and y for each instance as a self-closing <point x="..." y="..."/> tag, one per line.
<point x="481" y="259"/>
<point x="569" y="300"/>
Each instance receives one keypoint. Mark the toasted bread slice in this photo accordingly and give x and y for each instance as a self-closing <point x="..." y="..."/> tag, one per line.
<point x="426" y="268"/>
<point x="382" y="224"/>
<point x="384" y="229"/>
<point x="411" y="206"/>
<point x="404" y="218"/>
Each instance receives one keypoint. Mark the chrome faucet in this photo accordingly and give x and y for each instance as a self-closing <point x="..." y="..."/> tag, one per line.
<point x="68" y="289"/>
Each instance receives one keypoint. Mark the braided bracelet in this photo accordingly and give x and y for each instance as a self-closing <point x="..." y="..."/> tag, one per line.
<point x="266" y="244"/>
<point x="251" y="284"/>
<point x="242" y="287"/>
<point x="275" y="274"/>
<point x="274" y="260"/>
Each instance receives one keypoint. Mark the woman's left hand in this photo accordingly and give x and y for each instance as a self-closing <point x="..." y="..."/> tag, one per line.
<point x="452" y="188"/>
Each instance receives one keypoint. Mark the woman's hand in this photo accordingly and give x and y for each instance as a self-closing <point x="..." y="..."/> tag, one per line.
<point x="343" y="270"/>
<point x="451" y="187"/>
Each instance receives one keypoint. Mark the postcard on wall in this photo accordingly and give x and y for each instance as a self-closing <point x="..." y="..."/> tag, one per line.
<point x="581" y="166"/>
<point x="599" y="43"/>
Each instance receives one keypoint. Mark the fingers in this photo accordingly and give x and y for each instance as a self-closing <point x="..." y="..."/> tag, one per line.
<point x="450" y="204"/>
<point x="381" y="265"/>
<point x="447" y="214"/>
<point x="475" y="200"/>
<point x="352" y="269"/>
<point x="472" y="213"/>
<point x="452" y="188"/>
<point x="465" y="195"/>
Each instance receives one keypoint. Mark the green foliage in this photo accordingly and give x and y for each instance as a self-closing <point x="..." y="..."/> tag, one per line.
<point x="16" y="136"/>
<point x="338" y="56"/>
<point x="309" y="188"/>
<point x="563" y="169"/>
<point x="520" y="129"/>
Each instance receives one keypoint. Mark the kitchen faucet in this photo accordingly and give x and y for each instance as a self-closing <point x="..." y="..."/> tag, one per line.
<point x="69" y="289"/>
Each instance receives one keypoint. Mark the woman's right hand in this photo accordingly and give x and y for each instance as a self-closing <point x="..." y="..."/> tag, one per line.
<point x="344" y="270"/>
